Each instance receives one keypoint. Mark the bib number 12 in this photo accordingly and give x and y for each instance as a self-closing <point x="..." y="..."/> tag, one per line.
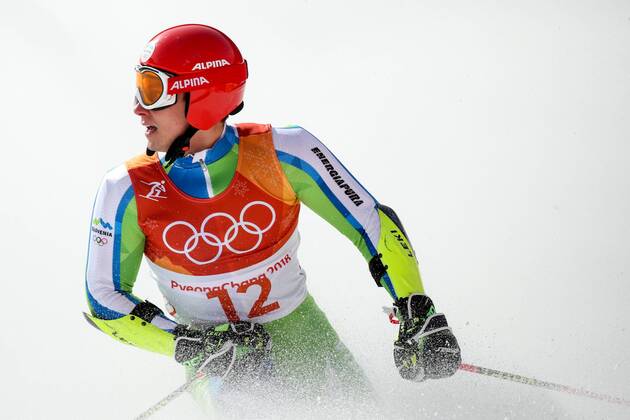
<point x="259" y="307"/>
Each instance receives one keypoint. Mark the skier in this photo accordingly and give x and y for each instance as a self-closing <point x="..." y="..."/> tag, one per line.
<point x="216" y="218"/>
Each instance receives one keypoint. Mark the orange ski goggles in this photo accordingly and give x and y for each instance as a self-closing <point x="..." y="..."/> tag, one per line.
<point x="158" y="89"/>
<point x="151" y="88"/>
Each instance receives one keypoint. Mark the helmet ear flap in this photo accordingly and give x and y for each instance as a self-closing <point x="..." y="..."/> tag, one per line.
<point x="235" y="111"/>
<point x="238" y="109"/>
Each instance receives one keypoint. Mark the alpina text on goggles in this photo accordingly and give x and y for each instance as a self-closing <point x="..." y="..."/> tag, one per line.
<point x="151" y="82"/>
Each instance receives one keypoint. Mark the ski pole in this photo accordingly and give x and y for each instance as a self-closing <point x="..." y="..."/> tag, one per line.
<point x="201" y="374"/>
<point x="170" y="397"/>
<point x="542" y="384"/>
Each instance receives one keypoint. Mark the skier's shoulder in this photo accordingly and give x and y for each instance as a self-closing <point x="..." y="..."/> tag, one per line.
<point x="293" y="138"/>
<point x="293" y="132"/>
<point x="116" y="175"/>
<point x="116" y="180"/>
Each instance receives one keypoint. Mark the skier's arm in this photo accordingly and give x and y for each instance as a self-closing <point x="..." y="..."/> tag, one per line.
<point x="326" y="187"/>
<point x="114" y="254"/>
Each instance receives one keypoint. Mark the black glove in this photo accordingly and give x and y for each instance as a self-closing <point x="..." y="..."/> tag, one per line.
<point x="241" y="347"/>
<point x="426" y="347"/>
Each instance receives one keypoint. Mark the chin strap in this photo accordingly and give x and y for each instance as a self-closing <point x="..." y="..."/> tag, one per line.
<point x="181" y="144"/>
<point x="178" y="148"/>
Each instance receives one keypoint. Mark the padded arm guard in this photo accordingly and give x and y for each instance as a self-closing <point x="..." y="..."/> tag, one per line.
<point x="136" y="329"/>
<point x="395" y="265"/>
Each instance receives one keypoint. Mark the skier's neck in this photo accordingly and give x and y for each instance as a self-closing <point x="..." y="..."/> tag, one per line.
<point x="205" y="139"/>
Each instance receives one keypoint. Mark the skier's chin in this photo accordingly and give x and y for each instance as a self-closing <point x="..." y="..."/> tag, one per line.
<point x="154" y="142"/>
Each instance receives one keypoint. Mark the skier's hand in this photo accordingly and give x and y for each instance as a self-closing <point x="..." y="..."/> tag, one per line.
<point x="426" y="347"/>
<point x="217" y="350"/>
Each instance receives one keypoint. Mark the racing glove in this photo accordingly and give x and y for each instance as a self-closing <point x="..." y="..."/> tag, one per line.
<point x="240" y="348"/>
<point x="426" y="348"/>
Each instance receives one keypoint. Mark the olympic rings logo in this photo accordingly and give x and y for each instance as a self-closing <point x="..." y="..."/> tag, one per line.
<point x="213" y="240"/>
<point x="100" y="241"/>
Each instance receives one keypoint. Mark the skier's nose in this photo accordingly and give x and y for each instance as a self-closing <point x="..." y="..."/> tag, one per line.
<point x="138" y="109"/>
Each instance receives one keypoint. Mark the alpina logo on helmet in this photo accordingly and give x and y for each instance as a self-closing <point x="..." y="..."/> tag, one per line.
<point x="211" y="64"/>
<point x="188" y="83"/>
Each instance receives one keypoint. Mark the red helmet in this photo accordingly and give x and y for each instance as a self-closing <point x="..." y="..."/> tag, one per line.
<point x="200" y="52"/>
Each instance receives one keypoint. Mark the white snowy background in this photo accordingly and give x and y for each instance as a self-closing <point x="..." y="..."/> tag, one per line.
<point x="498" y="130"/>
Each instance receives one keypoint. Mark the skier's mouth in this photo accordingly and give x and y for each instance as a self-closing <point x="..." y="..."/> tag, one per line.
<point x="150" y="129"/>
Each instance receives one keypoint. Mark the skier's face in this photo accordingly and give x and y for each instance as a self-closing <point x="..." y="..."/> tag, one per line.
<point x="162" y="125"/>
